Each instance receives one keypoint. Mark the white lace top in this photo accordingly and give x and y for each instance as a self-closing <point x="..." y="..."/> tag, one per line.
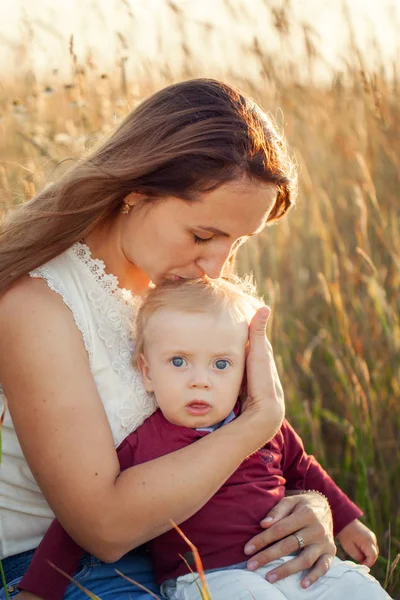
<point x="103" y="312"/>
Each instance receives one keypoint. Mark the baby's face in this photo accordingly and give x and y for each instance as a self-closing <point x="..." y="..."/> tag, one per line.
<point x="194" y="364"/>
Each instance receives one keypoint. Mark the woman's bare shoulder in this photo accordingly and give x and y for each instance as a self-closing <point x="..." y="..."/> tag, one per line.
<point x="35" y="288"/>
<point x="29" y="297"/>
<point x="34" y="316"/>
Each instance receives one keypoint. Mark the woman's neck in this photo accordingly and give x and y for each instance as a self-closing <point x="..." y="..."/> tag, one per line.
<point x="104" y="243"/>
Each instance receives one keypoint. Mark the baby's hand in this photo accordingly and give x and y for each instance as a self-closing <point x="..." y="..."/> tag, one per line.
<point x="359" y="542"/>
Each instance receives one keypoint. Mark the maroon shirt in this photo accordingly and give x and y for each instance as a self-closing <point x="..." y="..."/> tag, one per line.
<point x="223" y="526"/>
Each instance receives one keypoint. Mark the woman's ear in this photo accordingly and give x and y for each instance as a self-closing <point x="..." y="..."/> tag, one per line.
<point x="135" y="199"/>
<point x="144" y="369"/>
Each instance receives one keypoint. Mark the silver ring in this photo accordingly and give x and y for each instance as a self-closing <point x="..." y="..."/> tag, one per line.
<point x="300" y="540"/>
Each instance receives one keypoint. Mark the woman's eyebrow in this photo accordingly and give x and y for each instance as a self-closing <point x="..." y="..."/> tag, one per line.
<point x="213" y="230"/>
<point x="223" y="233"/>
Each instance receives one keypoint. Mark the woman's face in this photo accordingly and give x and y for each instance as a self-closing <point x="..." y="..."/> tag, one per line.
<point x="173" y="239"/>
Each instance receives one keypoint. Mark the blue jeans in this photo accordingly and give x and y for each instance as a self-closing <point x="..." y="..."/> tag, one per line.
<point x="101" y="579"/>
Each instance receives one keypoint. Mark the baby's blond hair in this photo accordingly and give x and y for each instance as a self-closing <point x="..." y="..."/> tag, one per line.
<point x="237" y="296"/>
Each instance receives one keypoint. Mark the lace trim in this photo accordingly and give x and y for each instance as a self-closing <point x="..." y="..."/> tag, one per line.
<point x="117" y="308"/>
<point x="97" y="269"/>
<point x="115" y="330"/>
<point x="59" y="288"/>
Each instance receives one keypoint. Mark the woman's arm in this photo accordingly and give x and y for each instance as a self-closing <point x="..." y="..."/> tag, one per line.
<point x="66" y="438"/>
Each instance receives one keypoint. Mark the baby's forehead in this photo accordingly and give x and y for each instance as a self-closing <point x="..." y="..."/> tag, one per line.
<point x="172" y="321"/>
<point x="215" y="314"/>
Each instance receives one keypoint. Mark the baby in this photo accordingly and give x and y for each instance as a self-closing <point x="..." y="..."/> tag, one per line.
<point x="191" y="351"/>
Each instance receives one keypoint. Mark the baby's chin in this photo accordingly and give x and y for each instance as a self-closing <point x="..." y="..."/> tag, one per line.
<point x="195" y="421"/>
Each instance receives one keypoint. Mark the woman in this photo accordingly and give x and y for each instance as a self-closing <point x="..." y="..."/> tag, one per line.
<point x="187" y="177"/>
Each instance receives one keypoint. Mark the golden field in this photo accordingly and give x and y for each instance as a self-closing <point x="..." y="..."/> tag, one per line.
<point x="330" y="270"/>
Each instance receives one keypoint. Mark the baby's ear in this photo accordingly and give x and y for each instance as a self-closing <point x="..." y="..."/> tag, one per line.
<point x="145" y="372"/>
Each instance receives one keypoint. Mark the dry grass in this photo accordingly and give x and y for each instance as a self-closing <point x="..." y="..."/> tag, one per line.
<point x="331" y="271"/>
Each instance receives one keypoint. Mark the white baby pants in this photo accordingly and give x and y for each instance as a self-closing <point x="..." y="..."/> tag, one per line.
<point x="345" y="580"/>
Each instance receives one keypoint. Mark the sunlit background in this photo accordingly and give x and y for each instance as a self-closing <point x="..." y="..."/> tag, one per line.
<point x="217" y="32"/>
<point x="328" y="72"/>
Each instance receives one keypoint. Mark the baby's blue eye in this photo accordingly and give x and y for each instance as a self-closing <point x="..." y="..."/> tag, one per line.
<point x="178" y="361"/>
<point x="221" y="364"/>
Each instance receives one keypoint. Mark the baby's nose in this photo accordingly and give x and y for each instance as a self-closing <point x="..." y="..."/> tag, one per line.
<point x="200" y="379"/>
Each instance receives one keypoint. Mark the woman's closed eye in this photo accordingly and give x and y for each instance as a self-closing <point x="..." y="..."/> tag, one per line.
<point x="178" y="361"/>
<point x="200" y="240"/>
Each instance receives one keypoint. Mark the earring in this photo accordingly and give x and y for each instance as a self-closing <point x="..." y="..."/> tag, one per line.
<point x="126" y="209"/>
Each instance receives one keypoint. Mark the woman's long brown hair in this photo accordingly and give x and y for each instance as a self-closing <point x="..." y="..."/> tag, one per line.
<point x="186" y="139"/>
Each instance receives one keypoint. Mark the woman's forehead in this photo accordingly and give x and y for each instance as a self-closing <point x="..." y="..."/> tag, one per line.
<point x="246" y="203"/>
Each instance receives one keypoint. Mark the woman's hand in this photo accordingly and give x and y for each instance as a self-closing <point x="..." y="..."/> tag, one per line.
<point x="310" y="517"/>
<point x="263" y="391"/>
<point x="359" y="542"/>
<point x="26" y="596"/>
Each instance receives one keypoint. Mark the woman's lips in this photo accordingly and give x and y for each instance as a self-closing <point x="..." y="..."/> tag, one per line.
<point x="176" y="278"/>
<point x="198" y="408"/>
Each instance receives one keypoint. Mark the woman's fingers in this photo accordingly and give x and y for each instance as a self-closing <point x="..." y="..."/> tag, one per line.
<point x="258" y="325"/>
<point x="259" y="357"/>
<point x="264" y="395"/>
<point x="289" y="516"/>
<point x="319" y="569"/>
<point x="308" y="560"/>
<point x="279" y="511"/>
<point x="284" y="547"/>
<point x="263" y="384"/>
<point x="278" y="531"/>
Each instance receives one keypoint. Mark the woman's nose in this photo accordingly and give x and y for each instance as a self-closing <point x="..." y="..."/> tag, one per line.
<point x="213" y="266"/>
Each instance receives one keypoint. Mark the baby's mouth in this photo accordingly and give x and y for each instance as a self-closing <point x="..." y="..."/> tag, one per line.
<point x="198" y="407"/>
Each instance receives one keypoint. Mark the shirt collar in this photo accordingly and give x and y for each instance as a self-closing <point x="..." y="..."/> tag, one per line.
<point x="227" y="420"/>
